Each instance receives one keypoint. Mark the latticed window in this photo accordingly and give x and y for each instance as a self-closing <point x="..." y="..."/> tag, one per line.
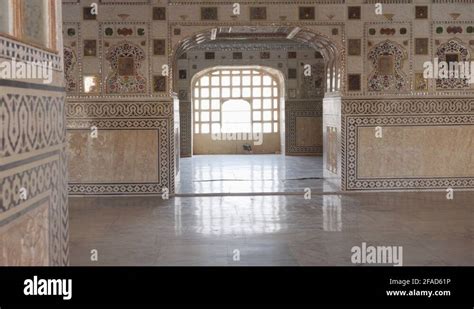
<point x="236" y="100"/>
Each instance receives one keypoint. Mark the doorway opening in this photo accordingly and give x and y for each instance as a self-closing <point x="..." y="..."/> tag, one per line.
<point x="251" y="108"/>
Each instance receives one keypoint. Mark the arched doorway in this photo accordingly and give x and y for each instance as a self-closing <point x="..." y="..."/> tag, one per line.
<point x="299" y="117"/>
<point x="274" y="38"/>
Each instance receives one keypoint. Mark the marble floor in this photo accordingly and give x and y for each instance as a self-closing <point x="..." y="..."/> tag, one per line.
<point x="271" y="230"/>
<point x="249" y="173"/>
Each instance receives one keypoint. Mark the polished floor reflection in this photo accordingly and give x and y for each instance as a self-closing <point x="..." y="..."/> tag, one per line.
<point x="271" y="230"/>
<point x="249" y="173"/>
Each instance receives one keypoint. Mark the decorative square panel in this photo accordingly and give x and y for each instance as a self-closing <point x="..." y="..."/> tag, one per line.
<point x="421" y="46"/>
<point x="292" y="74"/>
<point x="451" y="52"/>
<point x="451" y="58"/>
<point x="126" y="66"/>
<point x="303" y="128"/>
<point x="159" y="13"/>
<point x="182" y="74"/>
<point x="159" y="83"/>
<point x="209" y="55"/>
<point x="87" y="13"/>
<point x="177" y="31"/>
<point x="307" y="131"/>
<point x="183" y="95"/>
<point x="420" y="82"/>
<point x="90" y="48"/>
<point x="264" y="55"/>
<point x="386" y="65"/>
<point x="237" y="55"/>
<point x="307" y="13"/>
<point x="421" y="12"/>
<point x="258" y="13"/>
<point x="353" y="82"/>
<point x="209" y="13"/>
<point x="159" y="47"/>
<point x="125" y="59"/>
<point x="353" y="12"/>
<point x="71" y="32"/>
<point x="387" y="73"/>
<point x="354" y="47"/>
<point x="291" y="55"/>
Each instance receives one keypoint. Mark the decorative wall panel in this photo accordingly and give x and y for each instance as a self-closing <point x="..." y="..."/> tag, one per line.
<point x="70" y="61"/>
<point x="125" y="61"/>
<point x="295" y="110"/>
<point x="461" y="53"/>
<point x="435" y="113"/>
<point x="119" y="122"/>
<point x="387" y="61"/>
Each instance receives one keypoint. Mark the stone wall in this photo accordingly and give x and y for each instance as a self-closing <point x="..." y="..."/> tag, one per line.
<point x="121" y="131"/>
<point x="370" y="56"/>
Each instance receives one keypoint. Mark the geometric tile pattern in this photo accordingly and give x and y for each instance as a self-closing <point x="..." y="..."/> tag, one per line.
<point x="31" y="123"/>
<point x="34" y="128"/>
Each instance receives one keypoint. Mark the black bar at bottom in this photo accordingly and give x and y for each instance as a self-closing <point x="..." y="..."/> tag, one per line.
<point x="246" y="285"/>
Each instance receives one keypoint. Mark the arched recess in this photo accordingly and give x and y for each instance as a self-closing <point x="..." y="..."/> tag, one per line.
<point x="264" y="130"/>
<point x="453" y="51"/>
<point x="332" y="53"/>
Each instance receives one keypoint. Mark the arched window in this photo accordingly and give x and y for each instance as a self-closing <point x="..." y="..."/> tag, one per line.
<point x="236" y="100"/>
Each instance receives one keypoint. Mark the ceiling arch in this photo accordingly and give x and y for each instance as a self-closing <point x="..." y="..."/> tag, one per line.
<point x="331" y="52"/>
